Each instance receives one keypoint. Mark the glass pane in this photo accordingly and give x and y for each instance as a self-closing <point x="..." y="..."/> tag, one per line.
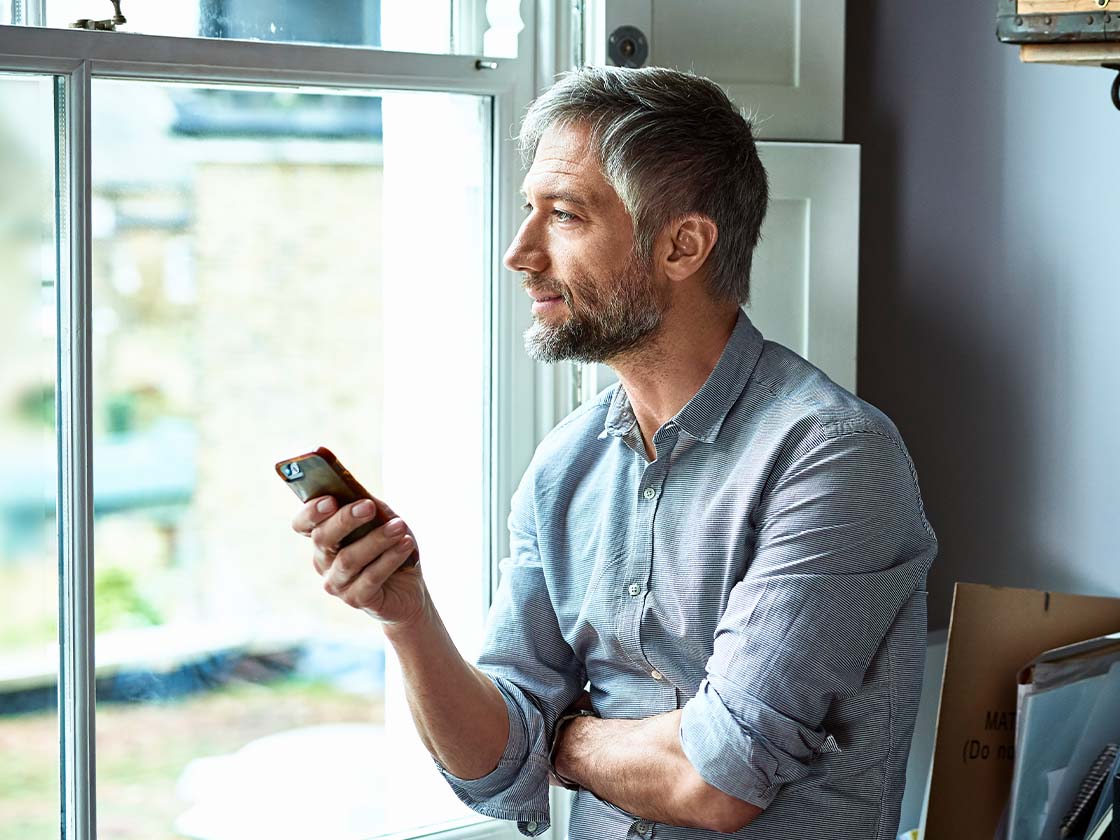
<point x="276" y="271"/>
<point x="29" y="771"/>
<point x="466" y="27"/>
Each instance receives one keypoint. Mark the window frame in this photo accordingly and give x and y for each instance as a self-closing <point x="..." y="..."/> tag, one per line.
<point x="513" y="427"/>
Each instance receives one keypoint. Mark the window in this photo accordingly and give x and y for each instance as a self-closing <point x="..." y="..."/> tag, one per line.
<point x="455" y="27"/>
<point x="28" y="532"/>
<point x="259" y="249"/>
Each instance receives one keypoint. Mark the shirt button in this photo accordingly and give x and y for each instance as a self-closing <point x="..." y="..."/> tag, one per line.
<point x="530" y="826"/>
<point x="642" y="828"/>
<point x="634" y="589"/>
<point x="649" y="493"/>
<point x="657" y="675"/>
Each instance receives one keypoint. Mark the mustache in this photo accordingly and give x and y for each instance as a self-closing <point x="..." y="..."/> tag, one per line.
<point x="545" y="286"/>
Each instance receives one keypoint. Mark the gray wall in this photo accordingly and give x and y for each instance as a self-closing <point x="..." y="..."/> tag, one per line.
<point x="990" y="291"/>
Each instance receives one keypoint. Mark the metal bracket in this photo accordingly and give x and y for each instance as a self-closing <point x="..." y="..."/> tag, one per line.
<point x="1015" y="27"/>
<point x="1115" y="84"/>
<point x="108" y="25"/>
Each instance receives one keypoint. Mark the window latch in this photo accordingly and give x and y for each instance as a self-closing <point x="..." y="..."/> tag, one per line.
<point x="108" y="25"/>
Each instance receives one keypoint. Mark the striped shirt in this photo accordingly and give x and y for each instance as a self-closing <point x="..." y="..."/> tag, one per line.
<point x="766" y="574"/>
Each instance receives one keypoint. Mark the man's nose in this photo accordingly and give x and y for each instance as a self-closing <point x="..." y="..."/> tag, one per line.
<point x="525" y="253"/>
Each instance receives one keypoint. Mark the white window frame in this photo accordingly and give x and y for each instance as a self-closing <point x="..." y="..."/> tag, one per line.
<point x="515" y="425"/>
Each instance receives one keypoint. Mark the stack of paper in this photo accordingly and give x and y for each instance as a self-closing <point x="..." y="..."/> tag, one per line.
<point x="1069" y="709"/>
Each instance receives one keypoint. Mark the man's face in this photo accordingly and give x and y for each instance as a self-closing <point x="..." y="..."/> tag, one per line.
<point x="593" y="299"/>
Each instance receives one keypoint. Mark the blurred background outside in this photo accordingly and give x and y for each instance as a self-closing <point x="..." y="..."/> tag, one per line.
<point x="273" y="270"/>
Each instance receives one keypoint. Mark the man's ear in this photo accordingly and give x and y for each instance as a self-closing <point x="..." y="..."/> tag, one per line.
<point x="687" y="242"/>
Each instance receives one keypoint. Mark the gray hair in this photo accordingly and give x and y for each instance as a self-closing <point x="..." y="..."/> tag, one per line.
<point x="670" y="143"/>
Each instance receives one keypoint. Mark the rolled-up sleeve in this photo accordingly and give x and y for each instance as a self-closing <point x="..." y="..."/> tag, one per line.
<point x="535" y="669"/>
<point x="842" y="543"/>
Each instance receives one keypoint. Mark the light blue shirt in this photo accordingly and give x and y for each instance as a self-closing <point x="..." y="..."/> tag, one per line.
<point x="766" y="574"/>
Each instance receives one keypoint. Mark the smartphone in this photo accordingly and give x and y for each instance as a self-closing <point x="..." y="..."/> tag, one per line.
<point x="320" y="473"/>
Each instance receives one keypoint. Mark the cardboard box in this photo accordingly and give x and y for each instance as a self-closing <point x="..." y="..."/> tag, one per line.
<point x="993" y="632"/>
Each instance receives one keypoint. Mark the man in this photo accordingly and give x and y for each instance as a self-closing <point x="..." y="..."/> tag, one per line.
<point x="728" y="549"/>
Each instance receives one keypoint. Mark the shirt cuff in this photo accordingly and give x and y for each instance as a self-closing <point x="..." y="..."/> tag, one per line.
<point x="724" y="753"/>
<point x="530" y="821"/>
<point x="506" y="792"/>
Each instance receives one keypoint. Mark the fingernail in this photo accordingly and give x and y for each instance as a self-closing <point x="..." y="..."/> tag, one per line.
<point x="395" y="527"/>
<point x="364" y="509"/>
<point x="325" y="505"/>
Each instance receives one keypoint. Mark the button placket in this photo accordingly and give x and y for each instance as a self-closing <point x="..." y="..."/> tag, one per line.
<point x="640" y="564"/>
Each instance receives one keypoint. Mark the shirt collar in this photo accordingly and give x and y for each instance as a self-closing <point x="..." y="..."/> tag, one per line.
<point x="703" y="415"/>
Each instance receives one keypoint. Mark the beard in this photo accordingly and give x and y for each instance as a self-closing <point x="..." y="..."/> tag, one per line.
<point x="612" y="318"/>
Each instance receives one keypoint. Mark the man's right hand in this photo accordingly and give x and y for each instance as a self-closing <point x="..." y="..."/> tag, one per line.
<point x="440" y="685"/>
<point x="366" y="574"/>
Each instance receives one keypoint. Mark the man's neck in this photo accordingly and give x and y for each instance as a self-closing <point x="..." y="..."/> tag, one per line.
<point x="663" y="375"/>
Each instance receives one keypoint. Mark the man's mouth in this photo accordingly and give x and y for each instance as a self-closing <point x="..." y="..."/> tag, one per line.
<point x="543" y="295"/>
<point x="545" y="301"/>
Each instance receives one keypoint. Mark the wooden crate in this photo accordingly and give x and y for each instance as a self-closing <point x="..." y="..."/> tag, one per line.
<point x="1089" y="55"/>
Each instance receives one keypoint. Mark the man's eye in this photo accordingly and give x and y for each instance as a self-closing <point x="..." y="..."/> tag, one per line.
<point x="560" y="215"/>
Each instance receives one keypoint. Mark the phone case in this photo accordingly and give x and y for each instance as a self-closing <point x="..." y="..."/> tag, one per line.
<point x="320" y="473"/>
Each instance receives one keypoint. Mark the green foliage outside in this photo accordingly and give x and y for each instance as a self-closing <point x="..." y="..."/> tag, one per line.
<point x="35" y="406"/>
<point x="120" y="603"/>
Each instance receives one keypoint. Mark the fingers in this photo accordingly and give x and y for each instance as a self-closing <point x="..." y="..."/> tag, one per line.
<point x="312" y="513"/>
<point x="355" y="573"/>
<point x="363" y="591"/>
<point x="331" y="530"/>
<point x="341" y="565"/>
<point x="360" y="569"/>
<point x="327" y="525"/>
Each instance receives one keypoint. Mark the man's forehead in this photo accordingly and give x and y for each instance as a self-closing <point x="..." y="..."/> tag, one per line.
<point x="563" y="163"/>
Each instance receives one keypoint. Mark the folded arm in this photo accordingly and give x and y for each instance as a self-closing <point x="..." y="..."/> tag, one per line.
<point x="639" y="766"/>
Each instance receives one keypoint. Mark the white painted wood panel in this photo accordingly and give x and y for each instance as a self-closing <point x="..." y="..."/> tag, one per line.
<point x="781" y="60"/>
<point x="805" y="280"/>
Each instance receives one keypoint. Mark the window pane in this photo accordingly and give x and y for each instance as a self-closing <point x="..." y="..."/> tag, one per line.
<point x="273" y="272"/>
<point x="29" y="772"/>
<point x="466" y="27"/>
